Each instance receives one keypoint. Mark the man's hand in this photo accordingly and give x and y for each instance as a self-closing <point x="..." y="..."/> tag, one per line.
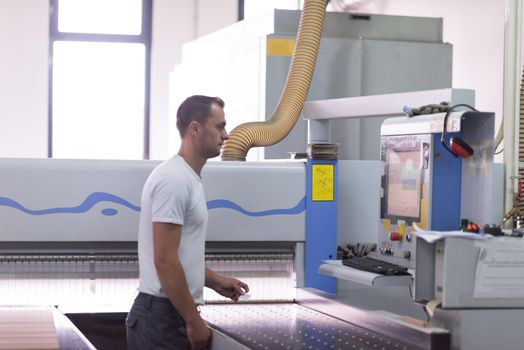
<point x="225" y="286"/>
<point x="198" y="333"/>
<point x="231" y="287"/>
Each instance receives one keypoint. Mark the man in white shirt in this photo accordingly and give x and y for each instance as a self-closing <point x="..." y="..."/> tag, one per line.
<point x="171" y="242"/>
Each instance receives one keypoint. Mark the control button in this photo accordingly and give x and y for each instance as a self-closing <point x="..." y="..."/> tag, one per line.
<point x="387" y="251"/>
<point x="406" y="254"/>
<point x="408" y="237"/>
<point x="395" y="236"/>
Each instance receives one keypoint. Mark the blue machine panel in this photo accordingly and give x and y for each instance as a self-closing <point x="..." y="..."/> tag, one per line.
<point x="447" y="174"/>
<point x="321" y="222"/>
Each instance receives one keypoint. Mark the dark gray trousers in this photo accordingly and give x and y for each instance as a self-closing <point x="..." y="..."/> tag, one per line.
<point x="153" y="323"/>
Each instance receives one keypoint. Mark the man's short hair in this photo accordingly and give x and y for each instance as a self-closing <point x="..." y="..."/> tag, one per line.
<point x="195" y="108"/>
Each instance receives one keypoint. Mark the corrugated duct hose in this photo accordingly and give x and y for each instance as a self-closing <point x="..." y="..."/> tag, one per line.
<point x="256" y="134"/>
<point x="516" y="212"/>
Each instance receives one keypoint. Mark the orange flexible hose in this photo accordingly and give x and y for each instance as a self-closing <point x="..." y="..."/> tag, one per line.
<point x="256" y="134"/>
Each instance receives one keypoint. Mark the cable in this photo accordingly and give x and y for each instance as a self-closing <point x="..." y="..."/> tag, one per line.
<point x="499" y="152"/>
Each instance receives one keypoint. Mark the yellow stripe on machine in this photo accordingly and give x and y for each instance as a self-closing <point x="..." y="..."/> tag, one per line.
<point x="280" y="47"/>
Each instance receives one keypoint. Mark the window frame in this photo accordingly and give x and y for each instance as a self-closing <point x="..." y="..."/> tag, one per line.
<point x="241" y="10"/>
<point x="143" y="38"/>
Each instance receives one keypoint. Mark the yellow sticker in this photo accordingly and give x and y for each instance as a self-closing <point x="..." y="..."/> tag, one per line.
<point x="280" y="47"/>
<point x="386" y="224"/>
<point x="323" y="182"/>
<point x="423" y="209"/>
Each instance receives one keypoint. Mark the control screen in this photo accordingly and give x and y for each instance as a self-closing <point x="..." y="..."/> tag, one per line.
<point x="403" y="187"/>
<point x="405" y="160"/>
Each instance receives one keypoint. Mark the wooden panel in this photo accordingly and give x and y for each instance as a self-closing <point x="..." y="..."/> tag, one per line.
<point x="27" y="329"/>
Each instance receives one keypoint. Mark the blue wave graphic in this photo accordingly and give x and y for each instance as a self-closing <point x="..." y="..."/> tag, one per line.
<point x="87" y="204"/>
<point x="98" y="197"/>
<point x="223" y="203"/>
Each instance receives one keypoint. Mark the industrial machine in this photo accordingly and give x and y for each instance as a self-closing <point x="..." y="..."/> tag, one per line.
<point x="69" y="239"/>
<point x="68" y="234"/>
<point x="426" y="186"/>
<point x="70" y="228"/>
<point x="469" y="283"/>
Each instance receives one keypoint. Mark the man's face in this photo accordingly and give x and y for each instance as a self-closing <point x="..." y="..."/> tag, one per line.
<point x="213" y="133"/>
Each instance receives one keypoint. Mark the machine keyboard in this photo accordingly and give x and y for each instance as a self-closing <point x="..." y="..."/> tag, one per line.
<point x="375" y="266"/>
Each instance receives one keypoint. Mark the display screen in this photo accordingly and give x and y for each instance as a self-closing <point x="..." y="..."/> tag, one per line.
<point x="404" y="169"/>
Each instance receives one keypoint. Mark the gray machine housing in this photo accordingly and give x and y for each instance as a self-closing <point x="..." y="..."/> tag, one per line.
<point x="359" y="55"/>
<point x="447" y="271"/>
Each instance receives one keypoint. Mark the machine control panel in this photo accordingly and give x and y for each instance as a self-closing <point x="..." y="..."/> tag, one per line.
<point x="427" y="186"/>
<point x="406" y="165"/>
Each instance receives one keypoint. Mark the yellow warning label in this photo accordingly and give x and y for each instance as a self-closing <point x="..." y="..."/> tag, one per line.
<point x="386" y="225"/>
<point x="423" y="208"/>
<point x="323" y="182"/>
<point x="401" y="228"/>
<point x="280" y="47"/>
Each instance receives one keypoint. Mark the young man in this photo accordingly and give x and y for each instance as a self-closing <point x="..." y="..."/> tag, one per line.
<point x="171" y="241"/>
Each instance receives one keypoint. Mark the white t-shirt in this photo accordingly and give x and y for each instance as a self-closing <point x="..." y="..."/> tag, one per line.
<point x="174" y="193"/>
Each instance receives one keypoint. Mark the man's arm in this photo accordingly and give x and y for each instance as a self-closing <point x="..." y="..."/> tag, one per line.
<point x="166" y="240"/>
<point x="226" y="286"/>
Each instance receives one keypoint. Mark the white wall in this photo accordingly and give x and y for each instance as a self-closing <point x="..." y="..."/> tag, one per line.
<point x="476" y="30"/>
<point x="174" y="23"/>
<point x="24" y="33"/>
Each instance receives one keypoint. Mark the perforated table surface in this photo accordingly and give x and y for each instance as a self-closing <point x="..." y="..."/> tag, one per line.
<point x="292" y="326"/>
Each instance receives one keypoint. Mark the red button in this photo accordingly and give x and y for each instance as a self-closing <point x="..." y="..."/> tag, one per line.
<point x="395" y="236"/>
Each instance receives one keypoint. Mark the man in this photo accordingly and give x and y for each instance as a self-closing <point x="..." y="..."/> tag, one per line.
<point x="171" y="240"/>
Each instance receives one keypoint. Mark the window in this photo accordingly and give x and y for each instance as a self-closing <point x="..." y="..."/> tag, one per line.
<point x="99" y="79"/>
